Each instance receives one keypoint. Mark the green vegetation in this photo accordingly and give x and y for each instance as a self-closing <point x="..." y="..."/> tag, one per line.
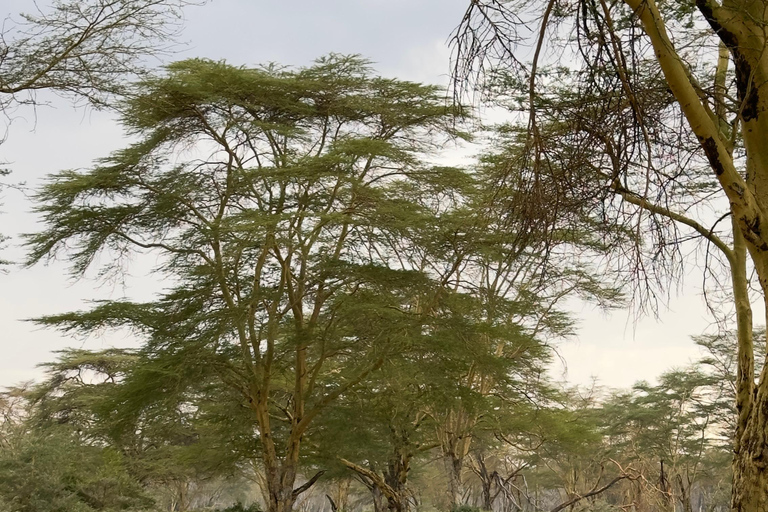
<point x="344" y="323"/>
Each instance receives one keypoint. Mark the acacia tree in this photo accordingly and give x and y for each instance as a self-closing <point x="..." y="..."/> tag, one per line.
<point x="689" y="80"/>
<point x="279" y="203"/>
<point x="665" y="431"/>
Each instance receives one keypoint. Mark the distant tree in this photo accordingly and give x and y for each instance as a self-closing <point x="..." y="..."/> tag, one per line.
<point x="720" y="363"/>
<point x="113" y="398"/>
<point x="51" y="467"/>
<point x="665" y="430"/>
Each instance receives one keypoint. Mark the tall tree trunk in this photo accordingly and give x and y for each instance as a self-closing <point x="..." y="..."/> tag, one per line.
<point x="279" y="475"/>
<point x="454" y="465"/>
<point x="745" y="383"/>
<point x="487" y="496"/>
<point x="455" y="439"/>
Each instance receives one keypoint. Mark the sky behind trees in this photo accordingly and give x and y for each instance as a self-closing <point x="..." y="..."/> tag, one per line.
<point x="404" y="39"/>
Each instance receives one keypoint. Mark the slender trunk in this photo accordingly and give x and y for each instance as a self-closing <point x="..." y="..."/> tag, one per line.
<point x="745" y="384"/>
<point x="486" y="481"/>
<point x="487" y="497"/>
<point x="181" y="501"/>
<point x="279" y="475"/>
<point x="685" y="494"/>
<point x="454" y="464"/>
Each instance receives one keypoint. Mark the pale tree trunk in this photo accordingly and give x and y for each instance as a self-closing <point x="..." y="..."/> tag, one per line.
<point x="339" y="494"/>
<point x="486" y="482"/>
<point x="279" y="475"/>
<point x="685" y="494"/>
<point x="180" y="502"/>
<point x="455" y="434"/>
<point x="279" y="472"/>
<point x="745" y="384"/>
<point x="740" y="26"/>
<point x="392" y="483"/>
<point x="490" y="479"/>
<point x="379" y="500"/>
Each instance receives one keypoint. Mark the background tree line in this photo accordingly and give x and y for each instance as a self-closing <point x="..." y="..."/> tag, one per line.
<point x="67" y="446"/>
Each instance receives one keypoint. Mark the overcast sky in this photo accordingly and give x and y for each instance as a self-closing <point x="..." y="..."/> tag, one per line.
<point x="405" y="39"/>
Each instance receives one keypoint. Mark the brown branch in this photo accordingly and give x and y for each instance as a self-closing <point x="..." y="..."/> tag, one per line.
<point x="375" y="479"/>
<point x="594" y="492"/>
<point x="330" y="397"/>
<point x="309" y="483"/>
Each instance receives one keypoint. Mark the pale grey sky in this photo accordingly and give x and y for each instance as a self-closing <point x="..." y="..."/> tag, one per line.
<point x="405" y="39"/>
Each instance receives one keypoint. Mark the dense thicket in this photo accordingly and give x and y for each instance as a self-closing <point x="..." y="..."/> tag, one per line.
<point x="652" y="448"/>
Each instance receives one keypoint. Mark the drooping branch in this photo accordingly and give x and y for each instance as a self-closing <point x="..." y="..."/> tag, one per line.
<point x="594" y="492"/>
<point x="682" y="219"/>
<point x="743" y="201"/>
<point x="306" y="485"/>
<point x="373" y="477"/>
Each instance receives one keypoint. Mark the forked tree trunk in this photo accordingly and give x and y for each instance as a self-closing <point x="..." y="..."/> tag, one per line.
<point x="281" y="490"/>
<point x="391" y="486"/>
<point x="486" y="480"/>
<point x="279" y="472"/>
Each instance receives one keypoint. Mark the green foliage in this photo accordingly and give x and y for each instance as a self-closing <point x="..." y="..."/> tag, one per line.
<point x="53" y="470"/>
<point x="166" y="443"/>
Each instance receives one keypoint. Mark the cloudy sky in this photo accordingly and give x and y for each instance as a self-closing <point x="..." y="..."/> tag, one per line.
<point x="405" y="39"/>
